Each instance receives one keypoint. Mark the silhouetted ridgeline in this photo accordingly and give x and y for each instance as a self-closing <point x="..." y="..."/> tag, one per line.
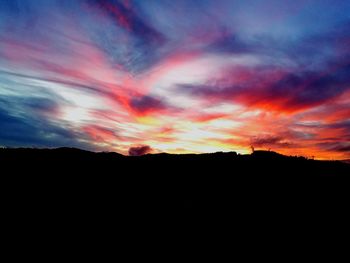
<point x="260" y="163"/>
<point x="73" y="181"/>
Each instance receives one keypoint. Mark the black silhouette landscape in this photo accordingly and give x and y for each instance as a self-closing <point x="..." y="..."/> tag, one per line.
<point x="144" y="77"/>
<point x="76" y="179"/>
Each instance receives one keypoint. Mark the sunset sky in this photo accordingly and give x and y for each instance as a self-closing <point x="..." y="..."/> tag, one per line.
<point x="176" y="76"/>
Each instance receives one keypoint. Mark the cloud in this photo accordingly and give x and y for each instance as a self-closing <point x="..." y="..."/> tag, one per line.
<point x="342" y="147"/>
<point x="128" y="19"/>
<point x="146" y="104"/>
<point x="31" y="122"/>
<point x="140" y="150"/>
<point x="100" y="134"/>
<point x="231" y="44"/>
<point x="33" y="132"/>
<point x="221" y="74"/>
<point x="270" y="141"/>
<point x="274" y="89"/>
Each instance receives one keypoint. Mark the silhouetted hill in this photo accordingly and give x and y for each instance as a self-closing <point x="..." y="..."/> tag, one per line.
<point x="259" y="164"/>
<point x="67" y="182"/>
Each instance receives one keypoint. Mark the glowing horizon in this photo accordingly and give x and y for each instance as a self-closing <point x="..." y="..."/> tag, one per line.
<point x="176" y="76"/>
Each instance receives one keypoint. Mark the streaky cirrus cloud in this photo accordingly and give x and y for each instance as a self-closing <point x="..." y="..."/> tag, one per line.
<point x="176" y="76"/>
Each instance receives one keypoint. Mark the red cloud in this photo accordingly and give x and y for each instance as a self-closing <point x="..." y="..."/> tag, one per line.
<point x="275" y="90"/>
<point x="209" y="117"/>
<point x="140" y="150"/>
<point x="99" y="134"/>
<point x="143" y="105"/>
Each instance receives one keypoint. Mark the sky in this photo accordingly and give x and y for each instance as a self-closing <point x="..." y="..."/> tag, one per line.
<point x="176" y="76"/>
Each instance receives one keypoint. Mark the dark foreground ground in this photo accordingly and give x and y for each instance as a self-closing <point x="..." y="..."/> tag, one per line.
<point x="168" y="180"/>
<point x="55" y="203"/>
<point x="62" y="186"/>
